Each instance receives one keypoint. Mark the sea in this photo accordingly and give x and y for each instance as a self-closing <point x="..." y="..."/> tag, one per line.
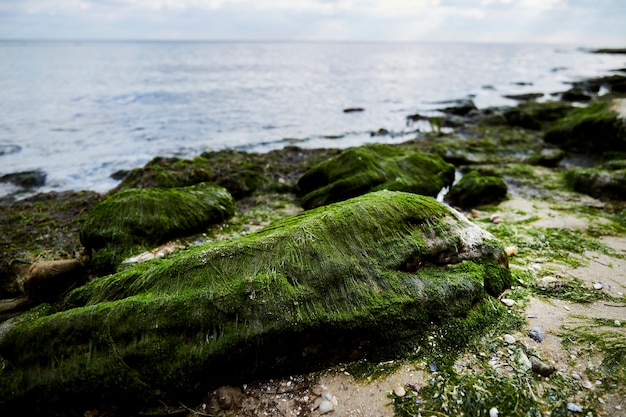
<point x="82" y="110"/>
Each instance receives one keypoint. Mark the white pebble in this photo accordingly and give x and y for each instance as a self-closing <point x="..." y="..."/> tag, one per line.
<point x="507" y="302"/>
<point x="493" y="412"/>
<point x="399" y="391"/>
<point x="587" y="384"/>
<point x="508" y="339"/>
<point x="617" y="323"/>
<point x="326" y="406"/>
<point x="577" y="377"/>
<point x="598" y="286"/>
<point x="575" y="408"/>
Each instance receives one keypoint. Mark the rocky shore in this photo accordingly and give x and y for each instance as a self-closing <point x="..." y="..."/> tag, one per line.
<point x="305" y="282"/>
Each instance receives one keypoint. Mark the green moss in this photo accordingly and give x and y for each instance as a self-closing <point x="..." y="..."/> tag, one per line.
<point x="150" y="216"/>
<point x="475" y="189"/>
<point x="368" y="168"/>
<point x="593" y="129"/>
<point x="598" y="182"/>
<point x="366" y="275"/>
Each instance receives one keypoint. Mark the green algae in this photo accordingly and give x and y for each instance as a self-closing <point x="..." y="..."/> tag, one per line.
<point x="149" y="216"/>
<point x="593" y="129"/>
<point x="474" y="190"/>
<point x="357" y="275"/>
<point x="368" y="168"/>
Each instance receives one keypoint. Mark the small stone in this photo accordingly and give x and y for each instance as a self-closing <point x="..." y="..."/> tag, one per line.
<point x="617" y="323"/>
<point x="507" y="302"/>
<point x="598" y="286"/>
<point x="511" y="251"/>
<point x="399" y="391"/>
<point x="326" y="406"/>
<point x="508" y="339"/>
<point x="493" y="412"/>
<point x="587" y="385"/>
<point x="536" y="334"/>
<point x="540" y="367"/>
<point x="495" y="219"/>
<point x="575" y="408"/>
<point x="577" y="377"/>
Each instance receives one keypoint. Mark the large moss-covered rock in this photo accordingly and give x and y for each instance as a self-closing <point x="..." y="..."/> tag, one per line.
<point x="352" y="278"/>
<point x="607" y="182"/>
<point x="474" y="189"/>
<point x="368" y="168"/>
<point x="594" y="129"/>
<point x="149" y="216"/>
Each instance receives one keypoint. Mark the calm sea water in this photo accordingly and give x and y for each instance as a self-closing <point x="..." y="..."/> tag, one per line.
<point x="82" y="110"/>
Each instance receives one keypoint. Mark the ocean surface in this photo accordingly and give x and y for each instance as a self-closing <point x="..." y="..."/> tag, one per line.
<point x="80" y="111"/>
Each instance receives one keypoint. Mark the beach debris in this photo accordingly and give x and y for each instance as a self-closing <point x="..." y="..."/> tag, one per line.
<point x="508" y="339"/>
<point x="574" y="408"/>
<point x="536" y="334"/>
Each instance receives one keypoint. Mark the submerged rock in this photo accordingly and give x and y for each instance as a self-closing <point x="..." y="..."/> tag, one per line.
<point x="368" y="168"/>
<point x="474" y="190"/>
<point x="358" y="276"/>
<point x="26" y="179"/>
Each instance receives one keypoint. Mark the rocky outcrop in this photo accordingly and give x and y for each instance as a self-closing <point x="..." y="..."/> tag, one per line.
<point x="26" y="179"/>
<point x="592" y="129"/>
<point x="607" y="182"/>
<point x="368" y="168"/>
<point x="474" y="189"/>
<point x="352" y="278"/>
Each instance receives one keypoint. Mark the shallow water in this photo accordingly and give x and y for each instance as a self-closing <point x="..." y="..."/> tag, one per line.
<point x="83" y="110"/>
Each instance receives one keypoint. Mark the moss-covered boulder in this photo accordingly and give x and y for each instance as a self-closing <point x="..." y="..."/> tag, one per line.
<point x="593" y="129"/>
<point x="607" y="182"/>
<point x="149" y="216"/>
<point x="356" y="278"/>
<point x="474" y="190"/>
<point x="368" y="168"/>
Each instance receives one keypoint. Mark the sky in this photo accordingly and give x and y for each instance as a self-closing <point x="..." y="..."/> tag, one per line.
<point x="599" y="23"/>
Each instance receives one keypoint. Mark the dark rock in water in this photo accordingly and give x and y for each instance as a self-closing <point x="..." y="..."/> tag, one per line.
<point x="522" y="83"/>
<point x="362" y="169"/>
<point x="610" y="51"/>
<point x="575" y="94"/>
<point x="380" y="132"/>
<point x="461" y="108"/>
<point x="149" y="216"/>
<point x="353" y="110"/>
<point x="364" y="275"/>
<point x="593" y="129"/>
<point x="48" y="280"/>
<point x="613" y="83"/>
<point x="517" y="117"/>
<point x="119" y="175"/>
<point x="607" y="182"/>
<point x="474" y="189"/>
<point x="9" y="149"/>
<point x="26" y="179"/>
<point x="525" y="97"/>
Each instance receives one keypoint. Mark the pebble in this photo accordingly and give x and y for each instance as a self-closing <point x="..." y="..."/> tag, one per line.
<point x="511" y="250"/>
<point x="577" y="377"/>
<point x="495" y="218"/>
<point x="508" y="339"/>
<point x="617" y="323"/>
<point x="598" y="286"/>
<point x="541" y="367"/>
<point x="536" y="334"/>
<point x="575" y="408"/>
<point x="507" y="302"/>
<point x="587" y="384"/>
<point x="493" y="412"/>
<point x="399" y="391"/>
<point x="326" y="406"/>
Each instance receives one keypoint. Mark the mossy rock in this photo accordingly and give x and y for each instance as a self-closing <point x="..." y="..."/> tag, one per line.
<point x="149" y="216"/>
<point x="368" y="168"/>
<point x="474" y="190"/>
<point x="593" y="129"/>
<point x="606" y="183"/>
<point x="368" y="275"/>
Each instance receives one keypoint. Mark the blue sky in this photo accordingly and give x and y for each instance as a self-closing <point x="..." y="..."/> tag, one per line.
<point x="583" y="22"/>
